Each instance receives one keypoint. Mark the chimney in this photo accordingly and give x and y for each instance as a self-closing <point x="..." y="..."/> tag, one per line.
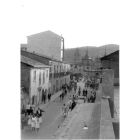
<point x="63" y="48"/>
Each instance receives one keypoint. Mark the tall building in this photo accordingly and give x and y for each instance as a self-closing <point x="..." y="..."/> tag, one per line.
<point x="59" y="72"/>
<point x="77" y="57"/>
<point x="87" y="62"/>
<point x="82" y="65"/>
<point x="34" y="79"/>
<point x="97" y="63"/>
<point x="46" y="43"/>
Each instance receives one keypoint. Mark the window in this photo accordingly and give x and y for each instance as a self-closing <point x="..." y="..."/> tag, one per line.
<point x="43" y="77"/>
<point x="57" y="69"/>
<point x="40" y="79"/>
<point x="34" y="76"/>
<point x="50" y="69"/>
<point x="54" y="88"/>
<point x="46" y="73"/>
<point x="33" y="99"/>
<point x="54" y="68"/>
<point x="60" y="68"/>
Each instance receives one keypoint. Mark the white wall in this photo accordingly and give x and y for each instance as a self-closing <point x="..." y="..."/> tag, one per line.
<point x="35" y="84"/>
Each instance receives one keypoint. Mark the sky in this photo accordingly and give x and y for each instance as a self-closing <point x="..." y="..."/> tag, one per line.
<point x="81" y="22"/>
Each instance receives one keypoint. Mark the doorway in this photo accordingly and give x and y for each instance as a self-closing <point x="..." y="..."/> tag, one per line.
<point x="39" y="96"/>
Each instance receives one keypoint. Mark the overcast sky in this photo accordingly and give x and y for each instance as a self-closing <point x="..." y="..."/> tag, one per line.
<point x="81" y="22"/>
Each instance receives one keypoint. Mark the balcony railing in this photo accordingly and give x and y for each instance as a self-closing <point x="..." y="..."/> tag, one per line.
<point x="59" y="75"/>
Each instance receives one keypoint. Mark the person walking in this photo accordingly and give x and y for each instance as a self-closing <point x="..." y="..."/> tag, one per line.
<point x="44" y="98"/>
<point x="28" y="108"/>
<point x="91" y="98"/>
<point x="75" y="88"/>
<point x="62" y="95"/>
<point x="94" y="96"/>
<point x="23" y="110"/>
<point x="33" y="122"/>
<point x="37" y="123"/>
<point x="22" y="121"/>
<point x="86" y="92"/>
<point x="26" y="122"/>
<point x="79" y="92"/>
<point x="29" y="121"/>
<point x="83" y="92"/>
<point x="73" y="98"/>
<point x="73" y="105"/>
<point x="66" y="92"/>
<point x="39" y="112"/>
<point x="64" y="110"/>
<point x="48" y="97"/>
<point x="70" y="105"/>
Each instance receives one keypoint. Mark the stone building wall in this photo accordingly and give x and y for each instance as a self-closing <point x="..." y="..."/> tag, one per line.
<point x="25" y="77"/>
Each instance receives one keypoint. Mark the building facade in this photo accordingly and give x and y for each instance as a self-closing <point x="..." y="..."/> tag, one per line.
<point x="111" y="61"/>
<point x="46" y="43"/>
<point x="59" y="70"/>
<point x="82" y="65"/>
<point x="34" y="79"/>
<point x="97" y="63"/>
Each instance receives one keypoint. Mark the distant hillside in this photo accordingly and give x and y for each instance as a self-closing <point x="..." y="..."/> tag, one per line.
<point x="93" y="51"/>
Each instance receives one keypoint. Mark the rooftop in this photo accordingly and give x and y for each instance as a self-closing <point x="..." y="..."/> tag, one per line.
<point x="87" y="57"/>
<point x="112" y="56"/>
<point x="45" y="32"/>
<point x="32" y="62"/>
<point x="42" y="55"/>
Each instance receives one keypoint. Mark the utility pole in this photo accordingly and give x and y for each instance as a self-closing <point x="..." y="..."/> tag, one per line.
<point x="63" y="47"/>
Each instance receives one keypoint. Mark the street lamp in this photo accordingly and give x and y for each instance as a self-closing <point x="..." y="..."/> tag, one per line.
<point x="85" y="126"/>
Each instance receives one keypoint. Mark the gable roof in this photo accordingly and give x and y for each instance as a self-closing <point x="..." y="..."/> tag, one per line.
<point x="32" y="62"/>
<point x="48" y="57"/>
<point x="45" y="32"/>
<point x="112" y="56"/>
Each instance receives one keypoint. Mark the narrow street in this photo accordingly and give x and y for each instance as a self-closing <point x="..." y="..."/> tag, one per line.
<point x="52" y="118"/>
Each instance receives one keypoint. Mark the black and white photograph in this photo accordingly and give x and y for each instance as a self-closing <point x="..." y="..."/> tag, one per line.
<point x="69" y="70"/>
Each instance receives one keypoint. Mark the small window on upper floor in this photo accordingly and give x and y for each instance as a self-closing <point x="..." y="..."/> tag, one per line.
<point x="34" y="76"/>
<point x="43" y="77"/>
<point x="40" y="79"/>
<point x="60" y="68"/>
<point x="46" y="73"/>
<point x="57" y="67"/>
<point x="54" y="68"/>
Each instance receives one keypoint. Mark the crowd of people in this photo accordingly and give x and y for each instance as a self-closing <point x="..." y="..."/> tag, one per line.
<point x="77" y="91"/>
<point x="31" y="118"/>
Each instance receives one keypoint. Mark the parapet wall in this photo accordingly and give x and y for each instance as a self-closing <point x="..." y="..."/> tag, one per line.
<point x="107" y="119"/>
<point x="96" y="116"/>
<point x="108" y="87"/>
<point x="106" y="127"/>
